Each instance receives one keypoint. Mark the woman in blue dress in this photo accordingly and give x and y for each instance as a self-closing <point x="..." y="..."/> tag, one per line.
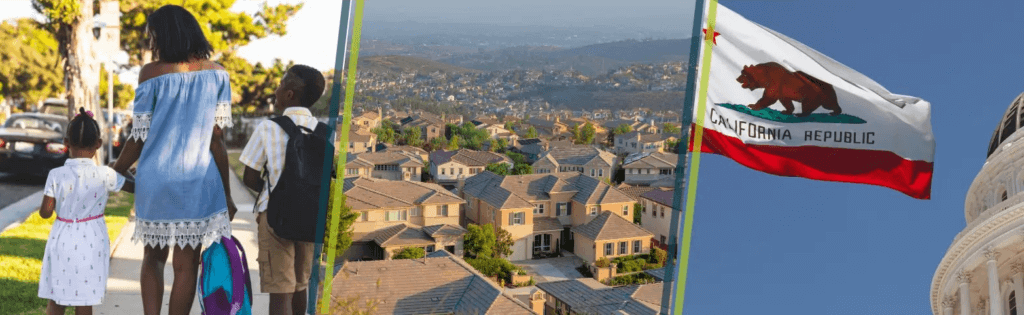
<point x="182" y="197"/>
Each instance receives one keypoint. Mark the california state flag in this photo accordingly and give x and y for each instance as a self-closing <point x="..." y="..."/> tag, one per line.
<point x="780" y="107"/>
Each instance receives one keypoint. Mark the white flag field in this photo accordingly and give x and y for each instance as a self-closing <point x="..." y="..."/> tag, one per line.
<point x="780" y="107"/>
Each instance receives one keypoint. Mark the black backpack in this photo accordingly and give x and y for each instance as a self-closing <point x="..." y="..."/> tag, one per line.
<point x="295" y="200"/>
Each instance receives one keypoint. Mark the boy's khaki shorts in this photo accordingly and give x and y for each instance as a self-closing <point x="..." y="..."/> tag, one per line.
<point x="285" y="265"/>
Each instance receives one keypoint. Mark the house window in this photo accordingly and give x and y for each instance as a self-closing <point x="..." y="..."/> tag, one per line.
<point x="568" y="209"/>
<point x="442" y="172"/>
<point x="460" y="171"/>
<point x="662" y="211"/>
<point x="538" y="208"/>
<point x="1004" y="196"/>
<point x="636" y="246"/>
<point x="625" y="210"/>
<point x="429" y="249"/>
<point x="560" y="208"/>
<point x="517" y="218"/>
<point x="593" y="210"/>
<point x="622" y="248"/>
<point x="648" y="171"/>
<point x="451" y="171"/>
<point x="1013" y="303"/>
<point x="366" y="216"/>
<point x="415" y="212"/>
<point x="592" y="173"/>
<point x="666" y="171"/>
<point x="397" y="215"/>
<point x="663" y="240"/>
<point x="608" y="249"/>
<point x="600" y="172"/>
<point x="542" y="243"/>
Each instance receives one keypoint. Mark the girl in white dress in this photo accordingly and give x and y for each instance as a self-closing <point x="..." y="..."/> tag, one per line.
<point x="77" y="258"/>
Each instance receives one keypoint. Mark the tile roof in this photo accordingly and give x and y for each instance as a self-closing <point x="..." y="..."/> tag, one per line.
<point x="546" y="224"/>
<point x="517" y="191"/>
<point x="658" y="274"/>
<point x="634" y="191"/>
<point x="610" y="226"/>
<point x="444" y="230"/>
<point x="651" y="160"/>
<point x="437" y="284"/>
<point x="587" y="296"/>
<point x="371" y="194"/>
<point x="579" y="155"/>
<point x="400" y="158"/>
<point x="405" y="148"/>
<point x="467" y="157"/>
<point x="663" y="197"/>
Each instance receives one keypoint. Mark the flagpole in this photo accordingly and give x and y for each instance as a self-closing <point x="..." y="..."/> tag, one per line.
<point x="325" y="182"/>
<point x="674" y="288"/>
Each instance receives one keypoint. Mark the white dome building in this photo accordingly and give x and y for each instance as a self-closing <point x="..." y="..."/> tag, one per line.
<point x="983" y="270"/>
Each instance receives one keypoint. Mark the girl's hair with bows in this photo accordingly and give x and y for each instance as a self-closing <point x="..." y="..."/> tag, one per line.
<point x="83" y="131"/>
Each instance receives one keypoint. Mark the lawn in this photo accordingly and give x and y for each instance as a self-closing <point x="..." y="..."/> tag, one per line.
<point x="236" y="165"/>
<point x="21" y="255"/>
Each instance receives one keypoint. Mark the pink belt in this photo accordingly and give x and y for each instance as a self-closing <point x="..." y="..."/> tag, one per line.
<point x="80" y="220"/>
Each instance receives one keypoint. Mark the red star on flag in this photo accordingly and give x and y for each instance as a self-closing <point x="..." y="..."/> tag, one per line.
<point x="714" y="38"/>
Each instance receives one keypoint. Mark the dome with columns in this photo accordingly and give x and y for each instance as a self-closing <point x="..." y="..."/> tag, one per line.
<point x="983" y="270"/>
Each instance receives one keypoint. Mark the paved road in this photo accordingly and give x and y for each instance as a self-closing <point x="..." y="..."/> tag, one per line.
<point x="15" y="187"/>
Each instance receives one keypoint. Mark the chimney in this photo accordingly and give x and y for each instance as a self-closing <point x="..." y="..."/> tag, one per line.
<point x="537" y="302"/>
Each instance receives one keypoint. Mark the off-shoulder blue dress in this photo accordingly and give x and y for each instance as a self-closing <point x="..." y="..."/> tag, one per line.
<point x="179" y="195"/>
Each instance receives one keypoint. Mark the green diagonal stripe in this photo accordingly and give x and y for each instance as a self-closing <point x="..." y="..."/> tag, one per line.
<point x="346" y="121"/>
<point x="698" y="135"/>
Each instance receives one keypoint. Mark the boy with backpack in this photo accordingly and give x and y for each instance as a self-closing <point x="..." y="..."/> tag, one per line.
<point x="290" y="151"/>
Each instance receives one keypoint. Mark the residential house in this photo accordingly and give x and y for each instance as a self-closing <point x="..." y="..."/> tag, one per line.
<point x="548" y="128"/>
<point x="448" y="166"/>
<point x="611" y="235"/>
<point x="639" y="142"/>
<point x="586" y="159"/>
<point x="391" y="165"/>
<point x="635" y="125"/>
<point x="531" y="149"/>
<point x="651" y="169"/>
<point x="430" y="125"/>
<point x="588" y="296"/>
<point x="406" y="148"/>
<point x="359" y="141"/>
<point x="657" y="214"/>
<point x="397" y="214"/>
<point x="540" y="209"/>
<point x="436" y="284"/>
<point x="368" y="120"/>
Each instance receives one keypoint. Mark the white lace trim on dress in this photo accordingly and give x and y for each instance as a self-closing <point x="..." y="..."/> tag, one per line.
<point x="140" y="126"/>
<point x="222" y="115"/>
<point x="185" y="234"/>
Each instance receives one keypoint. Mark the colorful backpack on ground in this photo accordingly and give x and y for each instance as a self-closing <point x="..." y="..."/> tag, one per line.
<point x="224" y="285"/>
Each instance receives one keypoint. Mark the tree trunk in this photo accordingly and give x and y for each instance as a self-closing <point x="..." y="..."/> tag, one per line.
<point x="81" y="69"/>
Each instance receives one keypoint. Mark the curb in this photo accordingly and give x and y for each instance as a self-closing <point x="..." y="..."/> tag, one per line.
<point x="16" y="213"/>
<point x="130" y="226"/>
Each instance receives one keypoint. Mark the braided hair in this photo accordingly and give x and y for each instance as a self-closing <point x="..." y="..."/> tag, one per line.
<point x="83" y="131"/>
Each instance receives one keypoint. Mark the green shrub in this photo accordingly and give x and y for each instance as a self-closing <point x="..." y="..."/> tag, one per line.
<point x="409" y="253"/>
<point x="631" y="265"/>
<point x="602" y="263"/>
<point x="493" y="267"/>
<point x="636" y="278"/>
<point x="584" y="271"/>
<point x="660" y="256"/>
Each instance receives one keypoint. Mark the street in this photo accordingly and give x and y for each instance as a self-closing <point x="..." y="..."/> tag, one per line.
<point x="15" y="187"/>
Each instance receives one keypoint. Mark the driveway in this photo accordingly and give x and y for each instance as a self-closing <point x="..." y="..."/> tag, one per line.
<point x="552" y="269"/>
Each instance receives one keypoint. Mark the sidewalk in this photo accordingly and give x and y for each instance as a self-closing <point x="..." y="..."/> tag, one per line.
<point x="123" y="295"/>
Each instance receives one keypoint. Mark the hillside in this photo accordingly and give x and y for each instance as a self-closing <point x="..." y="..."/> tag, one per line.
<point x="407" y="64"/>
<point x="590" y="60"/>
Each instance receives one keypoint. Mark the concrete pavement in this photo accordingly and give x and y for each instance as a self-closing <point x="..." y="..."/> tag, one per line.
<point x="123" y="291"/>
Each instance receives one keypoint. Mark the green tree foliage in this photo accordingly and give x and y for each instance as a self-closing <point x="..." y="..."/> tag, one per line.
<point x="412" y="136"/>
<point x="501" y="145"/>
<point x="587" y="133"/>
<point x="669" y="128"/>
<point x="575" y="132"/>
<point x="498" y="168"/>
<point x="469" y="136"/>
<point x="123" y="93"/>
<point x="509" y="126"/>
<point x="253" y="85"/>
<point x="386" y="132"/>
<point x="435" y="144"/>
<point x="637" y="210"/>
<point x="409" y="253"/>
<point x="658" y="256"/>
<point x="531" y="132"/>
<point x="491" y="267"/>
<point x="454" y="143"/>
<point x="503" y="243"/>
<point x="622" y="129"/>
<point x="479" y="240"/>
<point x="29" y="72"/>
<point x="522" y="169"/>
<point x="516" y="157"/>
<point x="672" y="146"/>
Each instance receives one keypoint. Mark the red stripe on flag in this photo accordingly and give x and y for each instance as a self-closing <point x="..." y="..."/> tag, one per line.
<point x="881" y="168"/>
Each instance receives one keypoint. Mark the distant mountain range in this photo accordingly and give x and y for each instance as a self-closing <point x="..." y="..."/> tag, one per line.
<point x="400" y="64"/>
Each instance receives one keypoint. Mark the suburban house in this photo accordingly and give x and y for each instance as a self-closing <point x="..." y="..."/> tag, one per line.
<point x="430" y="125"/>
<point x="639" y="142"/>
<point x="359" y="141"/>
<point x="656" y="214"/>
<point x="651" y="169"/>
<point x="406" y="148"/>
<point x="635" y="125"/>
<point x="548" y="128"/>
<point x="436" y="284"/>
<point x="610" y="235"/>
<point x="390" y="165"/>
<point x="588" y="296"/>
<point x="397" y="214"/>
<point x="448" y="166"/>
<point x="368" y="120"/>
<point x="531" y="149"/>
<point x="540" y="209"/>
<point x="586" y="159"/>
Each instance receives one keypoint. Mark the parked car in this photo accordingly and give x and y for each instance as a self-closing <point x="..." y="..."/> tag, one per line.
<point x="54" y="106"/>
<point x="32" y="143"/>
